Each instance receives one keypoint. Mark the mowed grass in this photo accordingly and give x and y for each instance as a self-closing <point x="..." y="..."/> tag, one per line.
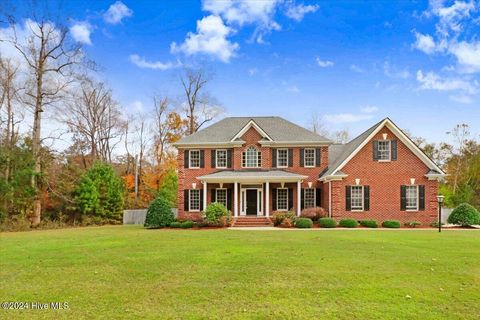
<point x="128" y="272"/>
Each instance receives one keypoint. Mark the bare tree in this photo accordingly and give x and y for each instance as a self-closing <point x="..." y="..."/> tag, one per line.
<point x="317" y="125"/>
<point x="341" y="136"/>
<point x="200" y="108"/>
<point x="460" y="134"/>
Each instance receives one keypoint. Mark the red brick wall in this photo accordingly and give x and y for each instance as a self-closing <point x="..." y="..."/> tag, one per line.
<point x="385" y="179"/>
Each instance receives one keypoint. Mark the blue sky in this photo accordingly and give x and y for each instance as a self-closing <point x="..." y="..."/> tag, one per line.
<point x="352" y="63"/>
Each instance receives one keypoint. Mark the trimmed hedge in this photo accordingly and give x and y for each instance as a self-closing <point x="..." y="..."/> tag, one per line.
<point x="464" y="215"/>
<point x="348" y="223"/>
<point x="186" y="224"/>
<point x="369" y="223"/>
<point x="303" y="223"/>
<point x="175" y="224"/>
<point x="394" y="224"/>
<point x="327" y="223"/>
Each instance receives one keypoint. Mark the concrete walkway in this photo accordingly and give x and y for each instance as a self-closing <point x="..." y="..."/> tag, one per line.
<point x="333" y="229"/>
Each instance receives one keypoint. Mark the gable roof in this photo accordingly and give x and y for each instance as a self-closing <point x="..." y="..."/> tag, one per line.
<point x="339" y="155"/>
<point x="273" y="129"/>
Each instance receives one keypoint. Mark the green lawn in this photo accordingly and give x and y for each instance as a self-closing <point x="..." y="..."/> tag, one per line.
<point x="127" y="272"/>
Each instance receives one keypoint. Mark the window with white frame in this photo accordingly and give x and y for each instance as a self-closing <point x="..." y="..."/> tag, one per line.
<point x="221" y="196"/>
<point x="411" y="198"/>
<point x="282" y="199"/>
<point x="384" y="150"/>
<point x="309" y="198"/>
<point x="194" y="158"/>
<point x="282" y="158"/>
<point x="251" y="158"/>
<point x="221" y="159"/>
<point x="356" y="198"/>
<point x="194" y="199"/>
<point x="309" y="157"/>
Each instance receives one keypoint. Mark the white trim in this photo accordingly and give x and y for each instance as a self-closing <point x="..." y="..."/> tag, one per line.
<point x="190" y="200"/>
<point x="235" y="197"/>
<point x="329" y="199"/>
<point x="250" y="124"/>
<point x="281" y="210"/>
<point x="226" y="195"/>
<point x="403" y="138"/>
<point x="337" y="177"/>
<point x="279" y="144"/>
<point x="389" y="153"/>
<point x="244" y="155"/>
<point x="243" y="200"/>
<point x="314" y="196"/>
<point x="418" y="198"/>
<point x="283" y="149"/>
<point x="216" y="159"/>
<point x="267" y="199"/>
<point x="256" y="179"/>
<point x="363" y="198"/>
<point x="190" y="159"/>
<point x="205" y="190"/>
<point x="314" y="158"/>
<point x="209" y="145"/>
<point x="299" y="198"/>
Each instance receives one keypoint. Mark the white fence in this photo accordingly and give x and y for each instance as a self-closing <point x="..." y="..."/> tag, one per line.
<point x="445" y="214"/>
<point x="137" y="216"/>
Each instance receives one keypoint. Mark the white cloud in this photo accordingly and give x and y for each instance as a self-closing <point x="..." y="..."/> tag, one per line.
<point x="432" y="81"/>
<point x="369" y="109"/>
<point x="293" y="89"/>
<point x="210" y="39"/>
<point x="243" y="11"/>
<point x="451" y="18"/>
<point x="346" y="117"/>
<point x="297" y="12"/>
<point x="462" y="98"/>
<point x="156" y="65"/>
<point x="117" y="12"/>
<point x="425" y="43"/>
<point x="324" y="63"/>
<point x="81" y="32"/>
<point x="467" y="54"/>
<point x="393" y="73"/>
<point x="356" y="68"/>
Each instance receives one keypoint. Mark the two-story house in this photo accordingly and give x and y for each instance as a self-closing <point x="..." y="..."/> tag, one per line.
<point x="259" y="165"/>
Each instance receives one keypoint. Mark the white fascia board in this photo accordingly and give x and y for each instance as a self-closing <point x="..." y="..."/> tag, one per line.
<point x="250" y="124"/>
<point x="305" y="144"/>
<point x="209" y="145"/>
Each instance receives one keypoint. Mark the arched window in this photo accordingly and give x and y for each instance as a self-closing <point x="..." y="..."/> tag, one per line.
<point x="251" y="158"/>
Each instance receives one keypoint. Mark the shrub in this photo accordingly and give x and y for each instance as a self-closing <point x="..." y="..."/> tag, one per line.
<point x="348" y="223"/>
<point x="435" y="224"/>
<point x="391" y="224"/>
<point x="369" y="223"/>
<point x="327" y="223"/>
<point x="412" y="224"/>
<point x="303" y="223"/>
<point x="279" y="218"/>
<point x="464" y="215"/>
<point x="313" y="213"/>
<point x="186" y="224"/>
<point x="287" y="223"/>
<point x="175" y="224"/>
<point x="159" y="214"/>
<point x="214" y="212"/>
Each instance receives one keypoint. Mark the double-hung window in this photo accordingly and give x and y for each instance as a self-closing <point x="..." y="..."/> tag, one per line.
<point x="309" y="158"/>
<point x="282" y="158"/>
<point x="384" y="150"/>
<point x="194" y="158"/>
<point x="309" y="198"/>
<point x="356" y="198"/>
<point x="221" y="196"/>
<point x="194" y="199"/>
<point x="411" y="198"/>
<point x="221" y="159"/>
<point x="251" y="158"/>
<point x="282" y="199"/>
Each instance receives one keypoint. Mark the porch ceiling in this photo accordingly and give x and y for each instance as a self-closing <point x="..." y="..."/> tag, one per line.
<point x="252" y="176"/>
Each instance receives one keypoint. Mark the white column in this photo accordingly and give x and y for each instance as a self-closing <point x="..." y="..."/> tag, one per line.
<point x="299" y="197"/>
<point x="267" y="199"/>
<point x="235" y="199"/>
<point x="204" y="195"/>
<point x="329" y="199"/>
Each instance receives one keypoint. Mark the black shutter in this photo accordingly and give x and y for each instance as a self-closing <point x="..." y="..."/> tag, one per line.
<point x="274" y="199"/>
<point x="375" y="150"/>
<point x="318" y="197"/>
<point x="213" y="158"/>
<point x="186" y="155"/>
<point x="290" y="198"/>
<point x="229" y="199"/>
<point x="366" y="198"/>
<point x="274" y="158"/>
<point x="403" y="198"/>
<point x="202" y="158"/>
<point x="421" y="197"/>
<point x="303" y="198"/>
<point x="229" y="158"/>
<point x="348" y="198"/>
<point x="185" y="200"/>
<point x="201" y="200"/>
<point x="290" y="157"/>
<point x="213" y="198"/>
<point x="302" y="156"/>
<point x="393" y="145"/>
<point x="318" y="157"/>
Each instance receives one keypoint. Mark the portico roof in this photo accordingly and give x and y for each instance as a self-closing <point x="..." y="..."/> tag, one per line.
<point x="252" y="176"/>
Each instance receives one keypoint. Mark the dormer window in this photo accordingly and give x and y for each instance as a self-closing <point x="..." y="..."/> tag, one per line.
<point x="384" y="150"/>
<point x="251" y="158"/>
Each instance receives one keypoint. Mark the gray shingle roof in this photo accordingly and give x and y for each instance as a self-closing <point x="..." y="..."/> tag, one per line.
<point x="233" y="174"/>
<point x="279" y="129"/>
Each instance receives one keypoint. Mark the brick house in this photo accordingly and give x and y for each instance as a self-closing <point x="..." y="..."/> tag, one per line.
<point x="258" y="165"/>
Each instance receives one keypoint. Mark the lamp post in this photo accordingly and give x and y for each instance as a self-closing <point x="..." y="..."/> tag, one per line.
<point x="440" y="201"/>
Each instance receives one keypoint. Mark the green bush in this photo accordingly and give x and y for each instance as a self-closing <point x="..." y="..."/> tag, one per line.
<point x="279" y="217"/>
<point x="327" y="223"/>
<point x="175" y="224"/>
<point x="412" y="224"/>
<point x="303" y="223"/>
<point x="187" y="224"/>
<point x="464" y="215"/>
<point x="369" y="223"/>
<point x="394" y="224"/>
<point x="159" y="214"/>
<point x="215" y="211"/>
<point x="348" y="223"/>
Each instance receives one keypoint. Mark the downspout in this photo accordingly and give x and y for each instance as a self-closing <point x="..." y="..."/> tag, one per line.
<point x="329" y="199"/>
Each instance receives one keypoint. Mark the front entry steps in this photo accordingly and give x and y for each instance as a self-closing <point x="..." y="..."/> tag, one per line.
<point x="254" y="221"/>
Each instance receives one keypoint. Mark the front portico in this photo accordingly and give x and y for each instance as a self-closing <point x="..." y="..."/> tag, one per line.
<point x="252" y="194"/>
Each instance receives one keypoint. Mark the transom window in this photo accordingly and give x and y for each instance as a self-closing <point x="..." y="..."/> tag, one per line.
<point x="384" y="150"/>
<point x="194" y="158"/>
<point x="282" y="158"/>
<point x="309" y="158"/>
<point x="282" y="199"/>
<point x="411" y="198"/>
<point x="356" y="198"/>
<point x="309" y="198"/>
<point x="221" y="196"/>
<point x="194" y="199"/>
<point x="221" y="159"/>
<point x="251" y="158"/>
